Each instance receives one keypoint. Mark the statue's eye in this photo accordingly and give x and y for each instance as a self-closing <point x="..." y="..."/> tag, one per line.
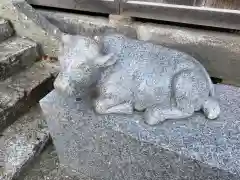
<point x="79" y="66"/>
<point x="86" y="69"/>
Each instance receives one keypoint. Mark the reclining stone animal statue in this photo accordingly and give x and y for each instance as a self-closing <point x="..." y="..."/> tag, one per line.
<point x="135" y="75"/>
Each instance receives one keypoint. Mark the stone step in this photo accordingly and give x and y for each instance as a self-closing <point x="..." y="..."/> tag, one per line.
<point x="23" y="141"/>
<point x="6" y="30"/>
<point x="15" y="54"/>
<point x="21" y="91"/>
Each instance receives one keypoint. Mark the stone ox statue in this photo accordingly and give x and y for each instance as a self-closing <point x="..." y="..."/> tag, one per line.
<point x="135" y="75"/>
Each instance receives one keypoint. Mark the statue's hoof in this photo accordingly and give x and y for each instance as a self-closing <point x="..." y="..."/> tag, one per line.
<point x="211" y="109"/>
<point x="153" y="120"/>
<point x="100" y="107"/>
<point x="212" y="116"/>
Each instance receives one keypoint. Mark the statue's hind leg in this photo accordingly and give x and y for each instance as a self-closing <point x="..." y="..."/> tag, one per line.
<point x="189" y="92"/>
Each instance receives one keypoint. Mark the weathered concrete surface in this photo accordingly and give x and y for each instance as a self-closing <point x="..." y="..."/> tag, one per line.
<point x="88" y="25"/>
<point x="16" y="54"/>
<point x="27" y="23"/>
<point x="23" y="141"/>
<point x="219" y="52"/>
<point x="5" y="29"/>
<point x="124" y="147"/>
<point x="21" y="91"/>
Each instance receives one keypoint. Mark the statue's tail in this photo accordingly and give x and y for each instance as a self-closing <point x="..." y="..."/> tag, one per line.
<point x="210" y="83"/>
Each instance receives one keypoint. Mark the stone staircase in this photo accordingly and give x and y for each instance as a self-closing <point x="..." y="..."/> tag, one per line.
<point x="24" y="80"/>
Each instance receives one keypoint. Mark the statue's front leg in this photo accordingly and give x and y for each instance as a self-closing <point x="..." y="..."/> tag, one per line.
<point x="159" y="113"/>
<point x="111" y="105"/>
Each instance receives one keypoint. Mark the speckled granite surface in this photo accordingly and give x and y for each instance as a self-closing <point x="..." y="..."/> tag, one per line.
<point x="123" y="147"/>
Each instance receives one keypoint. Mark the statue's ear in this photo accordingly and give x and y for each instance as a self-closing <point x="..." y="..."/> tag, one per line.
<point x="66" y="38"/>
<point x="106" y="60"/>
<point x="97" y="39"/>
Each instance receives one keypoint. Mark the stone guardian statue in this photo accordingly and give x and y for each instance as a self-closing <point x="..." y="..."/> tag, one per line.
<point x="133" y="75"/>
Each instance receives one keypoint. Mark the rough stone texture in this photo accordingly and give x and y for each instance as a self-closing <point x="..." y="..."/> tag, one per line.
<point x="19" y="92"/>
<point x="16" y="54"/>
<point x="27" y="23"/>
<point x="123" y="147"/>
<point x="5" y="29"/>
<point x="23" y="140"/>
<point x="87" y="25"/>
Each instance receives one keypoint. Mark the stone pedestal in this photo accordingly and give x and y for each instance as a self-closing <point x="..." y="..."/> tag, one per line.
<point x="123" y="147"/>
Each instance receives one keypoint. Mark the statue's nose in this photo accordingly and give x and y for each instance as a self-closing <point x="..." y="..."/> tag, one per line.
<point x="62" y="82"/>
<point x="64" y="85"/>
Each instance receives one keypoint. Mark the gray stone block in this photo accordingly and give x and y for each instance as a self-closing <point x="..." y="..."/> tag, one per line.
<point x="23" y="141"/>
<point x="21" y="91"/>
<point x="15" y="54"/>
<point x="6" y="30"/>
<point x="124" y="147"/>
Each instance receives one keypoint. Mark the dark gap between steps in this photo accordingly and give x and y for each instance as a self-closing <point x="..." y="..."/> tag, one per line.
<point x="186" y="25"/>
<point x="73" y="11"/>
<point x="216" y="80"/>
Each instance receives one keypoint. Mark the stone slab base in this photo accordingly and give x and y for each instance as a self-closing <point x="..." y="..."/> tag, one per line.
<point x="124" y="147"/>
